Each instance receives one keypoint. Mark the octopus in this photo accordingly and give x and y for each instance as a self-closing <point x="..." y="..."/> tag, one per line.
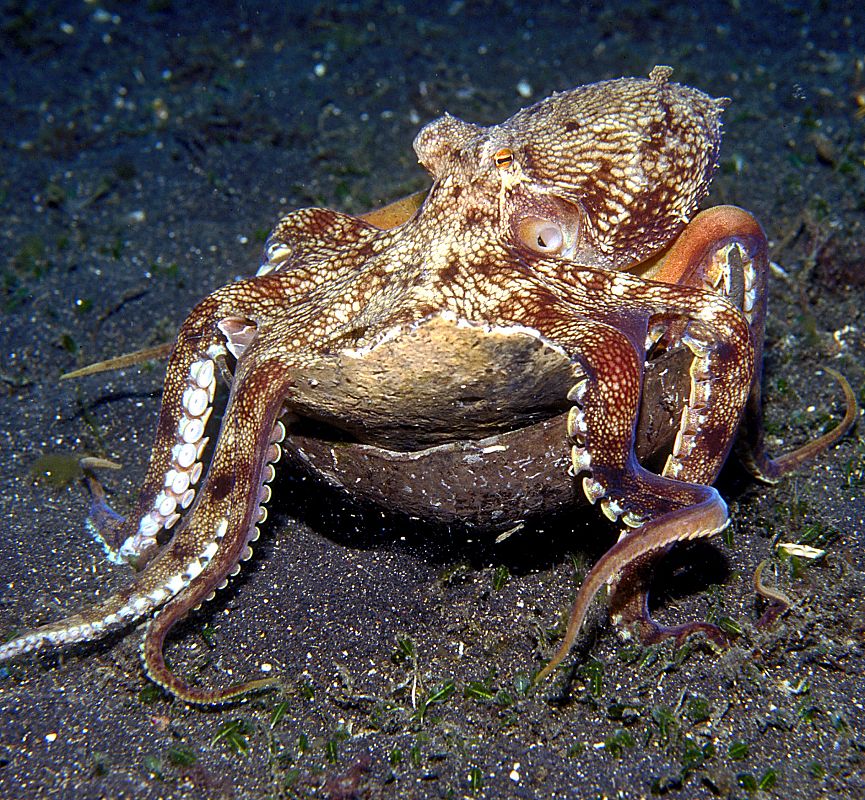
<point x="552" y="324"/>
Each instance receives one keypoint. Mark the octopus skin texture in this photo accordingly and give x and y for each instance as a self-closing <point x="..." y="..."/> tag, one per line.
<point x="555" y="276"/>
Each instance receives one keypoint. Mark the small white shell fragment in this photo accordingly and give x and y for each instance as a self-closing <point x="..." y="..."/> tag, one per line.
<point x="801" y="550"/>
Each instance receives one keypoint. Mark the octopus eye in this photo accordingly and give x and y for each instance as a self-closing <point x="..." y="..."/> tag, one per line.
<point x="541" y="235"/>
<point x="504" y="157"/>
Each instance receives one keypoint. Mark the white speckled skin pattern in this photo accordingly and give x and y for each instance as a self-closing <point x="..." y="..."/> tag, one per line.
<point x="562" y="243"/>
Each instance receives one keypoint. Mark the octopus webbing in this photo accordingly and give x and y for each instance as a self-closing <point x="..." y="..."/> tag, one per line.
<point x="517" y="310"/>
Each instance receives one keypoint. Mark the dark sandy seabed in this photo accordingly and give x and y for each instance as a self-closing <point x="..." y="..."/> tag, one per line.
<point x="147" y="148"/>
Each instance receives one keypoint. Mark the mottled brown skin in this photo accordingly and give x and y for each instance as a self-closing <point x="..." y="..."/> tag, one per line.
<point x="501" y="302"/>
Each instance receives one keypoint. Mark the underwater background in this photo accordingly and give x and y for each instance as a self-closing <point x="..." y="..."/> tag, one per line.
<point x="147" y="149"/>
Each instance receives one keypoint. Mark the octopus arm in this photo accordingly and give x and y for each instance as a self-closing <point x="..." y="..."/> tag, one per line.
<point x="724" y="250"/>
<point x="219" y="522"/>
<point x="225" y="518"/>
<point x="658" y="510"/>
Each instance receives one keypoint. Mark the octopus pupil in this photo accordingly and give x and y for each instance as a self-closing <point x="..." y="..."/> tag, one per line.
<point x="503" y="157"/>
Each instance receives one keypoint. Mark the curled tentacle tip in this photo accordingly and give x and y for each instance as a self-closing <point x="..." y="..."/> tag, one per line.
<point x="766" y="591"/>
<point x="542" y="674"/>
